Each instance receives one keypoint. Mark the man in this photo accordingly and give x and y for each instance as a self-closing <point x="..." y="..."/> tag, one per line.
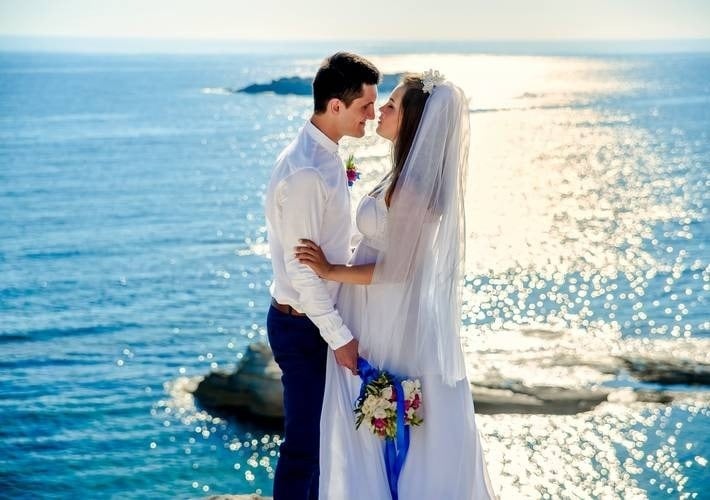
<point x="308" y="198"/>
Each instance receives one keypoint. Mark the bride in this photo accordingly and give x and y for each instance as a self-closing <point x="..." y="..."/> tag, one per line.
<point x="401" y="299"/>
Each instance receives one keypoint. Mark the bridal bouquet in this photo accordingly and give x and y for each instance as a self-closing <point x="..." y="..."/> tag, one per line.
<point x="389" y="407"/>
<point x="377" y="404"/>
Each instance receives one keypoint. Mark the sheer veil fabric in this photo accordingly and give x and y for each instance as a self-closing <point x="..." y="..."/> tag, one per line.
<point x="408" y="322"/>
<point x="424" y="248"/>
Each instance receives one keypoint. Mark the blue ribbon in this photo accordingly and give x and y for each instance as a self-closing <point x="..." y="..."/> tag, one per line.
<point x="395" y="449"/>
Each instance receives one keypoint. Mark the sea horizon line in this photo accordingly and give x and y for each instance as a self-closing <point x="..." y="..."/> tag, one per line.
<point x="145" y="45"/>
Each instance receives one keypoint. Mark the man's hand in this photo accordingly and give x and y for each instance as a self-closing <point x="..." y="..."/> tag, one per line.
<point x="346" y="356"/>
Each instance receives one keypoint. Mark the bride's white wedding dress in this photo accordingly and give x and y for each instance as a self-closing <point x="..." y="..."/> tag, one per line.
<point x="445" y="459"/>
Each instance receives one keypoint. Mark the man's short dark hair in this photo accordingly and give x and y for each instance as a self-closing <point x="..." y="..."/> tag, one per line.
<point x="341" y="76"/>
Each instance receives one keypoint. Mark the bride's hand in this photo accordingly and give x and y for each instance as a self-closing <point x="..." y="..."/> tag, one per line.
<point x="310" y="254"/>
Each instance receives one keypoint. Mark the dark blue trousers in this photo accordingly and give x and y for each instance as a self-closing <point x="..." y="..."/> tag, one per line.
<point x="300" y="352"/>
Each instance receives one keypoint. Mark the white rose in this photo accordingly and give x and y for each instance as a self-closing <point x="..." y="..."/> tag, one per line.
<point x="369" y="406"/>
<point x="380" y="412"/>
<point x="409" y="387"/>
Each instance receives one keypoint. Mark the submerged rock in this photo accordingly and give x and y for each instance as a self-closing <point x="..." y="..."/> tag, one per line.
<point x="548" y="400"/>
<point x="668" y="371"/>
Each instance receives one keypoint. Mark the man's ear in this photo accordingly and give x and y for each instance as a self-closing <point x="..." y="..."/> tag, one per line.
<point x="334" y="105"/>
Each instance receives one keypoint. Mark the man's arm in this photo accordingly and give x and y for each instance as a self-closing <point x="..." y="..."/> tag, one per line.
<point x="302" y="199"/>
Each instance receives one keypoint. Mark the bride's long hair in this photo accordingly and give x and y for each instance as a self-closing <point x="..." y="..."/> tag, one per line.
<point x="411" y="110"/>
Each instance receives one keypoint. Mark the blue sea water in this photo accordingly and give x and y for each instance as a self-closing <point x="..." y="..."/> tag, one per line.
<point x="131" y="217"/>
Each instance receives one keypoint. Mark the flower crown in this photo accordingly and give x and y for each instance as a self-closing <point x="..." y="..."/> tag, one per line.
<point x="431" y="79"/>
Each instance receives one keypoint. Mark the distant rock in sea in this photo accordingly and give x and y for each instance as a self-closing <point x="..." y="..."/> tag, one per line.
<point x="296" y="85"/>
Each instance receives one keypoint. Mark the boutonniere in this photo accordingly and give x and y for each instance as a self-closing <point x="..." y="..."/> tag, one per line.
<point x="351" y="171"/>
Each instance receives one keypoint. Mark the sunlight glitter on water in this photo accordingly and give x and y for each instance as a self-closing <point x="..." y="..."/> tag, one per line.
<point x="581" y="251"/>
<point x="567" y="196"/>
<point x="493" y="82"/>
<point x="592" y="455"/>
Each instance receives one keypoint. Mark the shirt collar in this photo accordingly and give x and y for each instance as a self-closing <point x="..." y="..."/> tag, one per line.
<point x="320" y="137"/>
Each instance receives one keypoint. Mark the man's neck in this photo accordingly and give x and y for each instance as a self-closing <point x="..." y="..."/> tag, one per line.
<point x="325" y="126"/>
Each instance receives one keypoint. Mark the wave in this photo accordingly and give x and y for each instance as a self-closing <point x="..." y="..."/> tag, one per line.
<point x="55" y="254"/>
<point x="50" y="333"/>
<point x="219" y="90"/>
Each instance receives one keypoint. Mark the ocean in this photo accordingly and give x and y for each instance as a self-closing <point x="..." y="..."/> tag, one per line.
<point x="133" y="260"/>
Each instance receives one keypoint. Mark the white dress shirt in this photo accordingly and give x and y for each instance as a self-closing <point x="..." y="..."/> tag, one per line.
<point x="308" y="198"/>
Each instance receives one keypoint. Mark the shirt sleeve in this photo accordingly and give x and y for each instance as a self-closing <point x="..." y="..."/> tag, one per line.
<point x="302" y="201"/>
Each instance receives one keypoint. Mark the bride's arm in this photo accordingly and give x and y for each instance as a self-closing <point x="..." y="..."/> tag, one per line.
<point x="310" y="254"/>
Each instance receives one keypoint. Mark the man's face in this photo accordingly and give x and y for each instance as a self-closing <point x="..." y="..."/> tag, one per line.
<point x="352" y="119"/>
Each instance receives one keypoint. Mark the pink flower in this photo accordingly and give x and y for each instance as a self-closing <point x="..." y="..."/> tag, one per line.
<point x="416" y="402"/>
<point x="351" y="171"/>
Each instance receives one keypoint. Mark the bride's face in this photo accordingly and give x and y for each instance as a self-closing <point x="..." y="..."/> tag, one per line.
<point x="390" y="115"/>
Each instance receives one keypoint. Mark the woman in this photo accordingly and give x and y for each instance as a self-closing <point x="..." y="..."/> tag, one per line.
<point x="407" y="316"/>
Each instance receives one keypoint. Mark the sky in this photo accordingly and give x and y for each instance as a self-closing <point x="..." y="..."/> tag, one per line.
<point x="358" y="19"/>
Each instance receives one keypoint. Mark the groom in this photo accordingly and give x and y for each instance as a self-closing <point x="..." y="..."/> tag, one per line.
<point x="308" y="198"/>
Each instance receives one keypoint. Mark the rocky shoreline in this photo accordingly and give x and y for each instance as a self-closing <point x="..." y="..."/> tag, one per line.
<point x="540" y="374"/>
<point x="254" y="387"/>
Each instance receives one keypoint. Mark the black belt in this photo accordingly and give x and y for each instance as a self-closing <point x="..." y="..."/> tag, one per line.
<point x="285" y="308"/>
